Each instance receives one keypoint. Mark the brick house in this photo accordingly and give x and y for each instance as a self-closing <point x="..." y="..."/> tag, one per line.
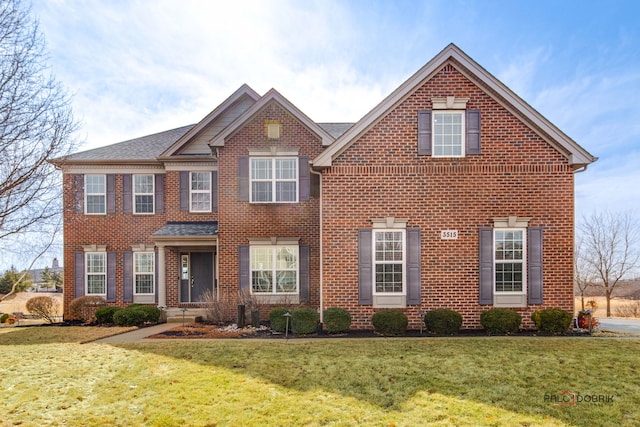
<point x="451" y="193"/>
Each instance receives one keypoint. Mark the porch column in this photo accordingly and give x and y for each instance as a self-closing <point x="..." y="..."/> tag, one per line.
<point x="162" y="277"/>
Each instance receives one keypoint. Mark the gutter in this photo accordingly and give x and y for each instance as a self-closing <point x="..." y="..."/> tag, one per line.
<point x="320" y="231"/>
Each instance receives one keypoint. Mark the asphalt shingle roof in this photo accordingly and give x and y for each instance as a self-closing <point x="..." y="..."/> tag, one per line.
<point x="335" y="129"/>
<point x="182" y="229"/>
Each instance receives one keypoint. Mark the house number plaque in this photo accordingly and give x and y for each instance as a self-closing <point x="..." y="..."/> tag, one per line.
<point x="449" y="234"/>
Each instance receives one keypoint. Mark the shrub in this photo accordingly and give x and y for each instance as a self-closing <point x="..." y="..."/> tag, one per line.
<point x="390" y="322"/>
<point x="104" y="315"/>
<point x="552" y="320"/>
<point x="443" y="321"/>
<point x="500" y="321"/>
<point x="4" y="318"/>
<point x="337" y="320"/>
<point x="44" y="306"/>
<point x="84" y="308"/>
<point x="129" y="317"/>
<point x="218" y="311"/>
<point x="151" y="313"/>
<point x="277" y="319"/>
<point x="304" y="321"/>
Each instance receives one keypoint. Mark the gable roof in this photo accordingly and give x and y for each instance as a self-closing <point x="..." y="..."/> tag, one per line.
<point x="272" y="95"/>
<point x="243" y="91"/>
<point x="576" y="155"/>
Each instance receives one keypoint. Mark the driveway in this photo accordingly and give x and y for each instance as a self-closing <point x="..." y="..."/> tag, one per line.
<point x="631" y="326"/>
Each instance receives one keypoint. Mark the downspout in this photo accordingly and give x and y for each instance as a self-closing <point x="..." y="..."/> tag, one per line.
<point x="320" y="231"/>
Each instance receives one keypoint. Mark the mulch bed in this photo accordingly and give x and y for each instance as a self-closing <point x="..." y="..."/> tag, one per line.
<point x="203" y="331"/>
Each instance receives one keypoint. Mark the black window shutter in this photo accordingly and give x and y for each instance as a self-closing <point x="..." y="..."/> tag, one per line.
<point x="534" y="264"/>
<point x="303" y="179"/>
<point x="214" y="191"/>
<point x="111" y="193"/>
<point x="414" y="284"/>
<point x="486" y="265"/>
<point x="184" y="191"/>
<point x="127" y="273"/>
<point x="111" y="277"/>
<point x="127" y="198"/>
<point x="159" y="193"/>
<point x="365" y="267"/>
<point x="78" y="274"/>
<point x="303" y="254"/>
<point x="473" y="132"/>
<point x="314" y="184"/>
<point x="244" y="273"/>
<point x="78" y="193"/>
<point x="424" y="132"/>
<point x="243" y="179"/>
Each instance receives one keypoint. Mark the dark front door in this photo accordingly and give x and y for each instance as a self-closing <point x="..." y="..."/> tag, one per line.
<point x="197" y="276"/>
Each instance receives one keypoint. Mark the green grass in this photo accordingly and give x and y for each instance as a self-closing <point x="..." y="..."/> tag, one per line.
<point x="381" y="382"/>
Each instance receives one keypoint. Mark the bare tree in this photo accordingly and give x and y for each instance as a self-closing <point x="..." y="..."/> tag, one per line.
<point x="610" y="248"/>
<point x="36" y="126"/>
<point x="583" y="274"/>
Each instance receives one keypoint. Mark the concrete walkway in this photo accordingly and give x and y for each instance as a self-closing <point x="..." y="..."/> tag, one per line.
<point x="138" y="334"/>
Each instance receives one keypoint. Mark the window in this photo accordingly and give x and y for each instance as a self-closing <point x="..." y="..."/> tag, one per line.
<point x="389" y="260"/>
<point x="95" y="194"/>
<point x="200" y="194"/>
<point x="96" y="270"/>
<point x="274" y="269"/>
<point x="448" y="133"/>
<point x="144" y="273"/>
<point x="509" y="256"/>
<point x="143" y="190"/>
<point x="274" y="180"/>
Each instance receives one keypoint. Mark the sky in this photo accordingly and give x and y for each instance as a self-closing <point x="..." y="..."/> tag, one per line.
<point x="135" y="68"/>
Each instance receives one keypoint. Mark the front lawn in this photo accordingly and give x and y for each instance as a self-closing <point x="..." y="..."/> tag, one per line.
<point x="518" y="381"/>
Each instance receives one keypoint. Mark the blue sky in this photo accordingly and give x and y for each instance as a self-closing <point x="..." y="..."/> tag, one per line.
<point x="140" y="67"/>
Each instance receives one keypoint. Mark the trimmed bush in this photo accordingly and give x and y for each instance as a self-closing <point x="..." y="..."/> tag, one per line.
<point x="104" y="315"/>
<point x="552" y="321"/>
<point x="43" y="306"/>
<point x="84" y="308"/>
<point x="3" y="318"/>
<point x="500" y="321"/>
<point x="443" y="321"/>
<point x="151" y="313"/>
<point x="337" y="320"/>
<point x="304" y="321"/>
<point x="390" y="322"/>
<point x="129" y="317"/>
<point x="277" y="319"/>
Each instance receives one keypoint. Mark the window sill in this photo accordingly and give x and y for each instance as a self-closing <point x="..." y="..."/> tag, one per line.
<point x="389" y="301"/>
<point x="276" y="299"/>
<point x="509" y="300"/>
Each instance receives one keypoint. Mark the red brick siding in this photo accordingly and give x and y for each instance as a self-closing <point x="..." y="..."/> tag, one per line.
<point x="381" y="175"/>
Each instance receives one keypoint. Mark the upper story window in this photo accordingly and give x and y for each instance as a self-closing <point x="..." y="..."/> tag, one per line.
<point x="274" y="269"/>
<point x="95" y="194"/>
<point x="509" y="258"/>
<point x="448" y="133"/>
<point x="200" y="192"/>
<point x="96" y="273"/>
<point x="274" y="180"/>
<point x="389" y="261"/>
<point x="143" y="191"/>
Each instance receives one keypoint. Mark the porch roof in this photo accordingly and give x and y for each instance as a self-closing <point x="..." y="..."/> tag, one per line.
<point x="188" y="230"/>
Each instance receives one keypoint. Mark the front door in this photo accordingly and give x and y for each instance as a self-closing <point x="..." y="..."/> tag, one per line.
<point x="197" y="276"/>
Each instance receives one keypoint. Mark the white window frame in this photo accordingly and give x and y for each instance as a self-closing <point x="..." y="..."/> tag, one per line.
<point x="274" y="268"/>
<point x="88" y="273"/>
<point x="274" y="180"/>
<point x="88" y="194"/>
<point x="522" y="261"/>
<point x="137" y="273"/>
<point x="403" y="263"/>
<point x="193" y="191"/>
<point x="152" y="194"/>
<point x="463" y="131"/>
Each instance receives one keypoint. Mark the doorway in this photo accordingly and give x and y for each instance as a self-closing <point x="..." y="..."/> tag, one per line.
<point x="196" y="276"/>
